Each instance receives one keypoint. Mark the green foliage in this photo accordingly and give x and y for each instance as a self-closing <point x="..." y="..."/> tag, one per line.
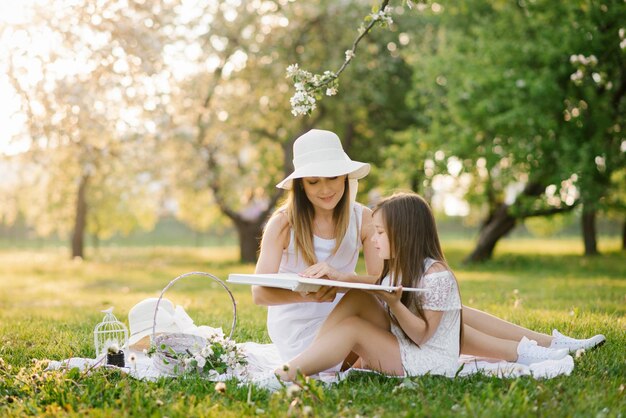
<point x="520" y="92"/>
<point x="50" y="305"/>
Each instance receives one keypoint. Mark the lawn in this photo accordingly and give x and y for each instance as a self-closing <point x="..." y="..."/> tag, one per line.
<point x="50" y="305"/>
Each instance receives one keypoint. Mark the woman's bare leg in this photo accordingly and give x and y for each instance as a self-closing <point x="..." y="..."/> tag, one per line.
<point x="499" y="328"/>
<point x="477" y="343"/>
<point x="377" y="348"/>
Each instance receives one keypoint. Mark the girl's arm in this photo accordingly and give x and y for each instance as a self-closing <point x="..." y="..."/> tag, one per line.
<point x="415" y="327"/>
<point x="275" y="240"/>
<point x="412" y="325"/>
<point x="373" y="263"/>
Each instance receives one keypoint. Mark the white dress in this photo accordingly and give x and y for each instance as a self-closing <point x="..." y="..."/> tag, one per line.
<point x="293" y="326"/>
<point x="440" y="354"/>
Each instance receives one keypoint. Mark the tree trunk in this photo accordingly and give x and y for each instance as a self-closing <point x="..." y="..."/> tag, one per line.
<point x="249" y="233"/>
<point x="499" y="223"/>
<point x="80" y="219"/>
<point x="624" y="235"/>
<point x="589" y="232"/>
<point x="497" y="226"/>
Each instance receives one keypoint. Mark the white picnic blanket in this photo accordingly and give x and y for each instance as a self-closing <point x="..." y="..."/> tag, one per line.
<point x="263" y="358"/>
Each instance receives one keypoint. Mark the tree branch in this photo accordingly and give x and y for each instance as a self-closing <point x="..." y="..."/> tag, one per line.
<point x="360" y="37"/>
<point x="549" y="211"/>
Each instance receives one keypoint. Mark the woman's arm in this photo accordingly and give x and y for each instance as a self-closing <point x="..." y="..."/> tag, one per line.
<point x="373" y="263"/>
<point x="275" y="240"/>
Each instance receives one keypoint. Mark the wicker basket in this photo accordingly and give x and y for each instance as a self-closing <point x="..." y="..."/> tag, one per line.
<point x="165" y="344"/>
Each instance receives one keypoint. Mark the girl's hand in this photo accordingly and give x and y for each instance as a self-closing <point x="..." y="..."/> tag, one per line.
<point x="325" y="271"/>
<point x="324" y="294"/>
<point x="390" y="298"/>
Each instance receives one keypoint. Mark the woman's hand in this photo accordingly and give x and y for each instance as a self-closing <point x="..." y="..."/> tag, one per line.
<point x="325" y="271"/>
<point x="324" y="294"/>
<point x="392" y="299"/>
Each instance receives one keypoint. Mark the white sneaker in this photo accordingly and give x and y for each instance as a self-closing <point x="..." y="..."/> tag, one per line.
<point x="529" y="352"/>
<point x="561" y="341"/>
<point x="268" y="381"/>
<point x="552" y="368"/>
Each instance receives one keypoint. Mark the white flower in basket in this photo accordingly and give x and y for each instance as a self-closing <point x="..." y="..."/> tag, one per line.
<point x="184" y="353"/>
<point x="177" y="354"/>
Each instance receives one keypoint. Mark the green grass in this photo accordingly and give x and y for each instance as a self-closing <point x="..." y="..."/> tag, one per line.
<point x="49" y="306"/>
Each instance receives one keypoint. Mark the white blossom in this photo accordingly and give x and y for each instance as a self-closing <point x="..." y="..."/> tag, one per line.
<point x="220" y="387"/>
<point x="292" y="70"/>
<point x="383" y="16"/>
<point x="302" y="103"/>
<point x="293" y="390"/>
<point x="577" y="76"/>
<point x="331" y="91"/>
<point x="349" y="54"/>
<point x="206" y="351"/>
<point x="200" y="360"/>
<point x="591" y="60"/>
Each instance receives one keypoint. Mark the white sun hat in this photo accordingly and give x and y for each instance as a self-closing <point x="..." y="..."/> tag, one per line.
<point x="169" y="319"/>
<point x="319" y="153"/>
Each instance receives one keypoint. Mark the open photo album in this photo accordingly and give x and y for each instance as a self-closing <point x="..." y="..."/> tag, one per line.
<point x="298" y="283"/>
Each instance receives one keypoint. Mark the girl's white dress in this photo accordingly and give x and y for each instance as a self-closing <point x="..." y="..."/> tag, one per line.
<point x="293" y="326"/>
<point x="440" y="354"/>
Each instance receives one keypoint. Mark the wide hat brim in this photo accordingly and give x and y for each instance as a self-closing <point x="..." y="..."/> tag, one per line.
<point x="354" y="170"/>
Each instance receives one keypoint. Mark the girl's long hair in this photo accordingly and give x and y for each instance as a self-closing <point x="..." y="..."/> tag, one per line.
<point x="300" y="213"/>
<point x="412" y="233"/>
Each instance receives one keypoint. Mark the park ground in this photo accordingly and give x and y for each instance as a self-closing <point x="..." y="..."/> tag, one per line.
<point x="49" y="306"/>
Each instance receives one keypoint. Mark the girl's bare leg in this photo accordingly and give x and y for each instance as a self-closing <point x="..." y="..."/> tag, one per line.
<point x="356" y="304"/>
<point x="359" y="304"/>
<point x="378" y="349"/>
<point x="499" y="328"/>
<point x="477" y="343"/>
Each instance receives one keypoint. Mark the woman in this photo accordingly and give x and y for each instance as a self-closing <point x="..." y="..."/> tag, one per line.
<point x="318" y="233"/>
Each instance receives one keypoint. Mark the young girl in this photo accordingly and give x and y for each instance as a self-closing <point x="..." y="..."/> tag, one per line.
<point x="408" y="333"/>
<point x="319" y="232"/>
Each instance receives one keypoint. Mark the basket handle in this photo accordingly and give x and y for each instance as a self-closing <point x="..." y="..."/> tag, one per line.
<point x="198" y="273"/>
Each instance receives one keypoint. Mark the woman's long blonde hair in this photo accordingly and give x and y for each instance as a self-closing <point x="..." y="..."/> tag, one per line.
<point x="300" y="213"/>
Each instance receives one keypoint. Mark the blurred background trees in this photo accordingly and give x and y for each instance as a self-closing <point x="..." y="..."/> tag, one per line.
<point x="495" y="111"/>
<point x="526" y="100"/>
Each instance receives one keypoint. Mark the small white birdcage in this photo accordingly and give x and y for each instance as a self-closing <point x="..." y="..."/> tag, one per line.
<point x="110" y="332"/>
